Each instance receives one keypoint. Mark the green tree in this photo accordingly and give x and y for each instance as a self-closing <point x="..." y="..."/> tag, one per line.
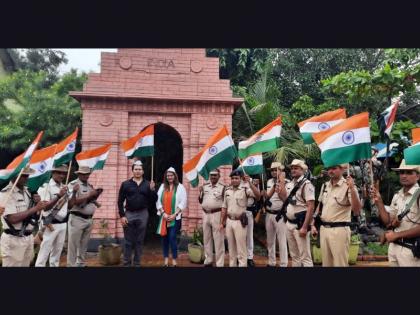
<point x="299" y="72"/>
<point x="242" y="66"/>
<point x="27" y="106"/>
<point x="48" y="60"/>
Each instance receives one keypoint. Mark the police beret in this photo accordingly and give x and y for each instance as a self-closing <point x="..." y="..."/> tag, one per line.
<point x="236" y="172"/>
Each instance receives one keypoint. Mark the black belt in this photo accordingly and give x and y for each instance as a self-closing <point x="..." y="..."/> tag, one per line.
<point x="212" y="210"/>
<point x="295" y="221"/>
<point x="17" y="232"/>
<point x="335" y="224"/>
<point x="84" y="216"/>
<point x="55" y="221"/>
<point x="271" y="211"/>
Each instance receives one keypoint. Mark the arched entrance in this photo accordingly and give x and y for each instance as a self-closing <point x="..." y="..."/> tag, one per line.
<point x="168" y="152"/>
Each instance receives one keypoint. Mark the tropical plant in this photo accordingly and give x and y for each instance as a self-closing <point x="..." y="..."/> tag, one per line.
<point x="197" y="237"/>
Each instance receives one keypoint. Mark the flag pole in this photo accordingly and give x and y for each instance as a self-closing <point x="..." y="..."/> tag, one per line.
<point x="68" y="172"/>
<point x="49" y="177"/>
<point x="153" y="158"/>
<point x="13" y="187"/>
<point x="240" y="164"/>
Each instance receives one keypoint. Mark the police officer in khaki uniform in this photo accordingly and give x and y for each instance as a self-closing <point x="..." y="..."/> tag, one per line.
<point x="409" y="227"/>
<point x="17" y="245"/>
<point x="211" y="200"/>
<point x="54" y="235"/>
<point x="247" y="183"/>
<point x="339" y="198"/>
<point x="275" y="229"/>
<point x="233" y="208"/>
<point x="82" y="207"/>
<point x="304" y="200"/>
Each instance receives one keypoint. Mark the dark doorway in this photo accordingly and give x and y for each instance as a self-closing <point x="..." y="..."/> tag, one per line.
<point x="168" y="152"/>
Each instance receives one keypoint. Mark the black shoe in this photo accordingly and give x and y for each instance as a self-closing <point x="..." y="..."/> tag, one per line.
<point x="271" y="266"/>
<point x="251" y="263"/>
<point x="208" y="265"/>
<point x="165" y="265"/>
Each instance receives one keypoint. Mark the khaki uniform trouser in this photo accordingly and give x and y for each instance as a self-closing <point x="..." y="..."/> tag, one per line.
<point x="299" y="247"/>
<point x="211" y="232"/>
<point x="399" y="256"/>
<point x="335" y="243"/>
<point x="250" y="235"/>
<point x="276" y="229"/>
<point x="236" y="236"/>
<point x="16" y="251"/>
<point x="52" y="245"/>
<point x="78" y="239"/>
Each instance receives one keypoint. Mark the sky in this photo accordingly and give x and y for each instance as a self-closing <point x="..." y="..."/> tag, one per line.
<point x="83" y="59"/>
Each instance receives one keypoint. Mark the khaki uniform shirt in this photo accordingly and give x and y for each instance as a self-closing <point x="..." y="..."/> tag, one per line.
<point x="412" y="219"/>
<point x="305" y="193"/>
<point x="19" y="201"/>
<point x="251" y="199"/>
<point x="277" y="203"/>
<point x="336" y="202"/>
<point x="235" y="200"/>
<point x="213" y="196"/>
<point x="84" y="189"/>
<point x="48" y="192"/>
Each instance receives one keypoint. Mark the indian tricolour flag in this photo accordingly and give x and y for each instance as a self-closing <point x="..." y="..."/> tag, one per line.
<point x="19" y="162"/>
<point x="253" y="164"/>
<point x="320" y="123"/>
<point x="219" y="150"/>
<point x="42" y="162"/>
<point x="386" y="120"/>
<point x="66" y="149"/>
<point x="346" y="142"/>
<point x="141" y="144"/>
<point x="265" y="140"/>
<point x="190" y="170"/>
<point x="412" y="154"/>
<point x="95" y="158"/>
<point x="415" y="135"/>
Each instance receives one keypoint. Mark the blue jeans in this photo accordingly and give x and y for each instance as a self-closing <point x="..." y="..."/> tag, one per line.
<point x="170" y="240"/>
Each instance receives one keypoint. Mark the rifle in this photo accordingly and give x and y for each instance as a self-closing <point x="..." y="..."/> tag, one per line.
<point x="282" y="212"/>
<point x="391" y="226"/>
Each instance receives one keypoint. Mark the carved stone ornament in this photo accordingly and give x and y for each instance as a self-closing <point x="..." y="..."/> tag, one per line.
<point x="212" y="123"/>
<point x="125" y="63"/>
<point x="196" y="66"/>
<point x="106" y="120"/>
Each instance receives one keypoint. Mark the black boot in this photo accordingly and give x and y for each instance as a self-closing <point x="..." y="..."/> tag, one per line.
<point x="251" y="263"/>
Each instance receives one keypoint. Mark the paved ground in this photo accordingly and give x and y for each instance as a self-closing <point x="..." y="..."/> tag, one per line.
<point x="153" y="258"/>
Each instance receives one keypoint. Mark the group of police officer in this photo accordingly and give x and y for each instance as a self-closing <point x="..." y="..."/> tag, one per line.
<point x="291" y="216"/>
<point x="228" y="211"/>
<point x="56" y="208"/>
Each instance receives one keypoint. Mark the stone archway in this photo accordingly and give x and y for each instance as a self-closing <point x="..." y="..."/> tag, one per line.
<point x="168" y="152"/>
<point x="179" y="88"/>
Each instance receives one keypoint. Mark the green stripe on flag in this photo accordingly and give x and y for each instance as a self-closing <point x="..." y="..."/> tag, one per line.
<point x="194" y="183"/>
<point x="346" y="154"/>
<point x="143" y="151"/>
<point x="66" y="158"/>
<point x="253" y="170"/>
<point x="260" y="147"/>
<point x="99" y="165"/>
<point x="224" y="157"/>
<point x="35" y="182"/>
<point x="412" y="155"/>
<point x="307" y="137"/>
